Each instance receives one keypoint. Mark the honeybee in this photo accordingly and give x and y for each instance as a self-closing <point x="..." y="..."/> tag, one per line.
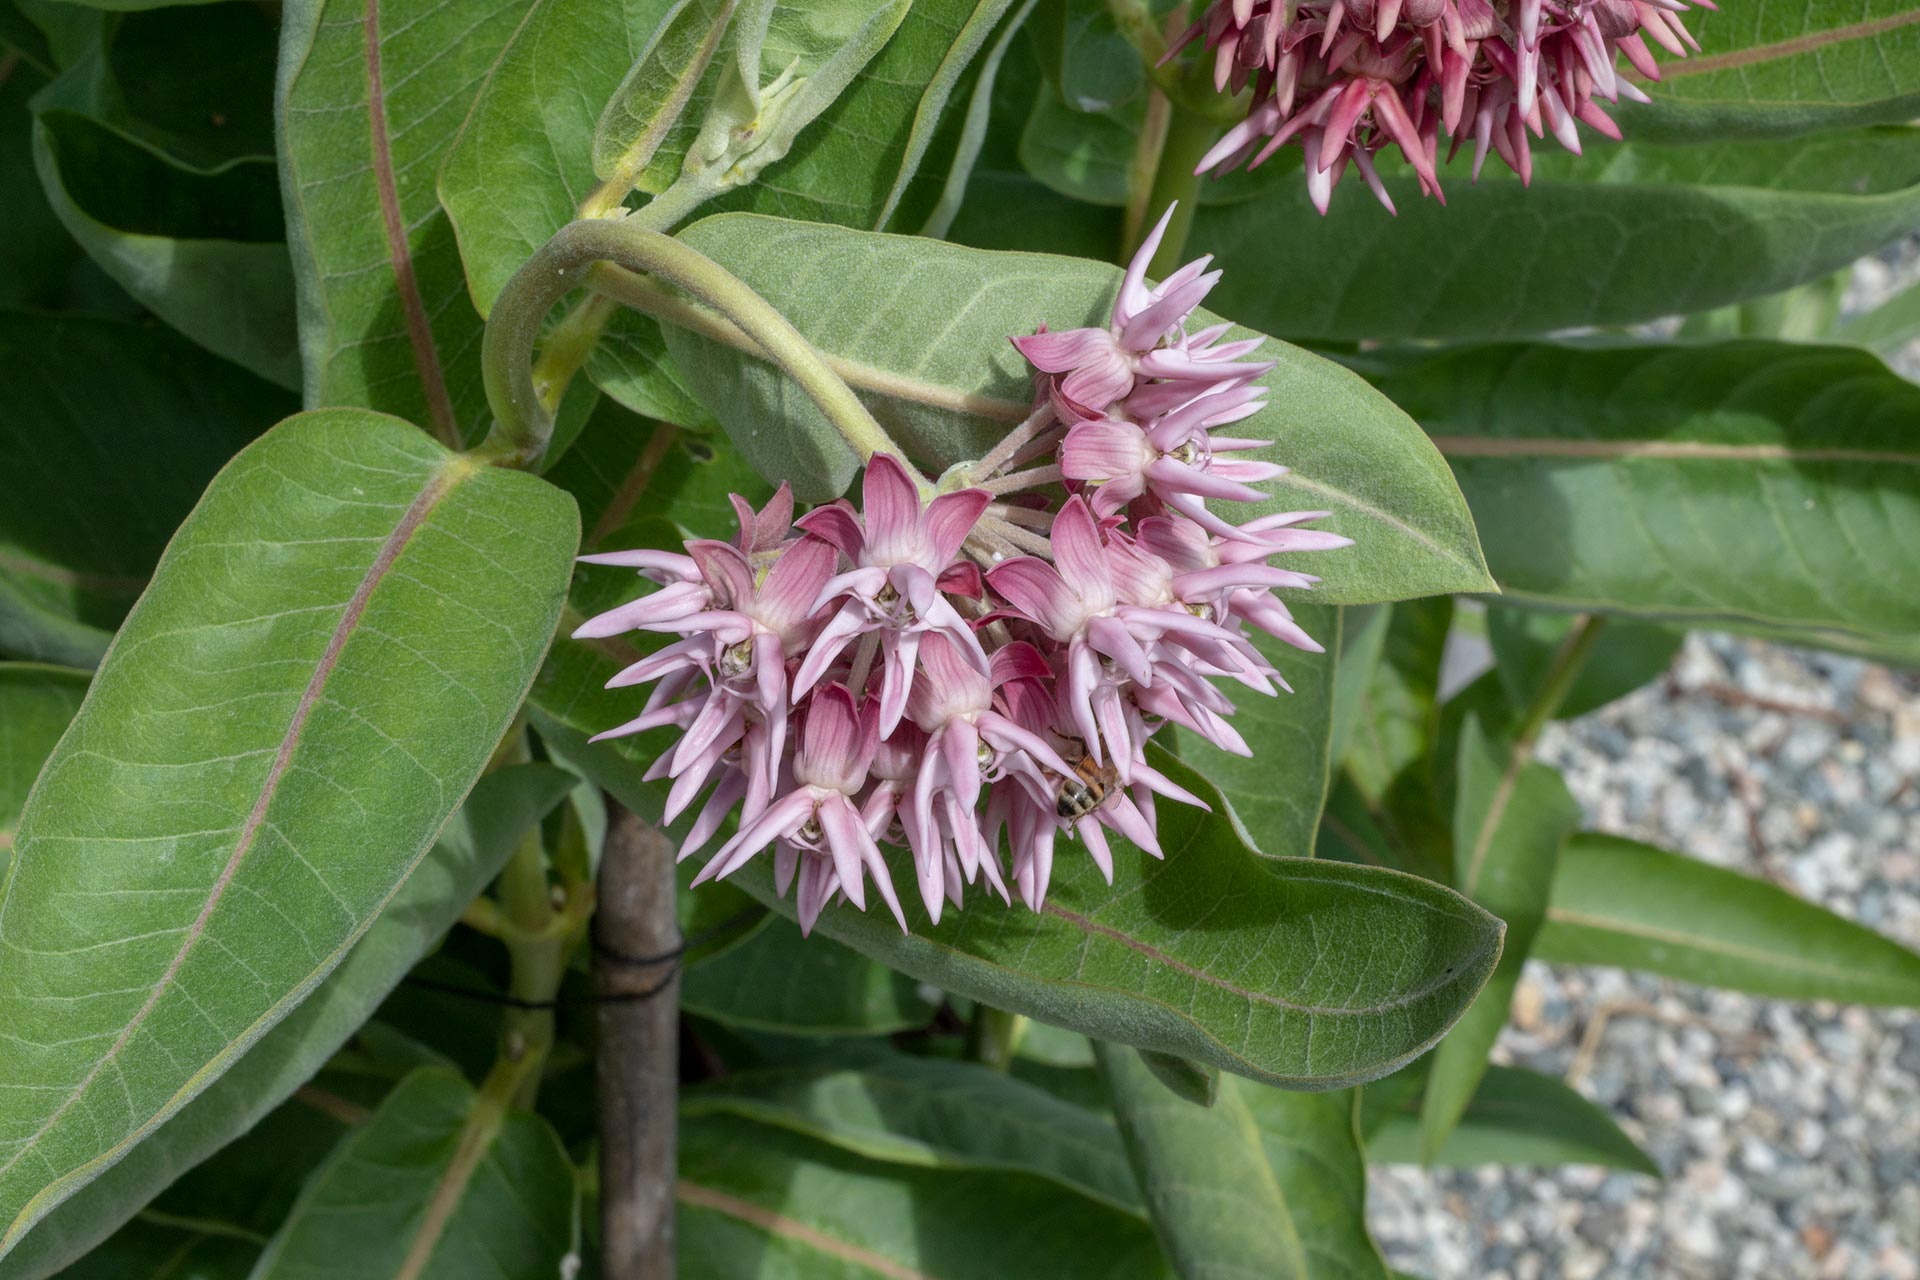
<point x="1089" y="786"/>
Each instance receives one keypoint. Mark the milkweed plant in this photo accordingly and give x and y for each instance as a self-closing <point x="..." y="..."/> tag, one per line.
<point x="735" y="639"/>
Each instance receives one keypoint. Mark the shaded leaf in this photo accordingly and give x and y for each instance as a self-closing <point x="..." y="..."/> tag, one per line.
<point x="1510" y="818"/>
<point x="803" y="1208"/>
<point x="148" y="439"/>
<point x="1626" y="234"/>
<point x="1264" y="1183"/>
<point x="924" y="1111"/>
<point x="174" y="1250"/>
<point x="1399" y="706"/>
<point x="1190" y="1081"/>
<point x="369" y="99"/>
<point x="36" y="704"/>
<point x="41" y="261"/>
<point x="779" y="981"/>
<point x="1619" y="902"/>
<point x="470" y="852"/>
<point x="1747" y="482"/>
<point x="441" y="1182"/>
<point x="1516" y="1117"/>
<point x="203" y="249"/>
<point x="330" y="650"/>
<point x="941" y="375"/>
<point x="1627" y="655"/>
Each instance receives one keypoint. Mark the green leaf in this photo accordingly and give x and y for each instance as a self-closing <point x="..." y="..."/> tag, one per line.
<point x="1621" y="903"/>
<point x="924" y="1111"/>
<point x="943" y="378"/>
<point x="203" y="249"/>
<point x="1096" y="69"/>
<point x="1515" y="1117"/>
<point x="369" y="99"/>
<point x="1777" y="70"/>
<point x="1263" y="1183"/>
<point x="173" y="1250"/>
<point x="1278" y="791"/>
<point x="196" y="81"/>
<point x="441" y="1183"/>
<point x="523" y="162"/>
<point x="1510" y="819"/>
<point x="1888" y="327"/>
<point x="470" y="852"/>
<point x="1708" y="225"/>
<point x="1251" y="992"/>
<point x="1363" y="635"/>
<point x="41" y="261"/>
<point x="778" y="981"/>
<point x="1190" y="1081"/>
<point x="147" y="439"/>
<point x="656" y="90"/>
<point x="1627" y="655"/>
<point x="1399" y="708"/>
<point x="1758" y="483"/>
<point x="36" y="704"/>
<point x="803" y="1208"/>
<point x="331" y="648"/>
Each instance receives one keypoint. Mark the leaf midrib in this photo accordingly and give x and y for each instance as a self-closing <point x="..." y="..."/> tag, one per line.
<point x="1667" y="450"/>
<point x="439" y="484"/>
<point x="779" y="1224"/>
<point x="1747" y="57"/>
<point x="1768" y="959"/>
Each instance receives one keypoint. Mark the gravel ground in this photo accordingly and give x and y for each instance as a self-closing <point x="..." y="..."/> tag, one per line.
<point x="1789" y="1133"/>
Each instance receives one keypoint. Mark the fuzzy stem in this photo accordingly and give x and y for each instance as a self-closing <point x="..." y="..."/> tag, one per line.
<point x="993" y="1035"/>
<point x="1145" y="167"/>
<point x="1032" y="478"/>
<point x="1189" y="136"/>
<point x="1001" y="454"/>
<point x="523" y="424"/>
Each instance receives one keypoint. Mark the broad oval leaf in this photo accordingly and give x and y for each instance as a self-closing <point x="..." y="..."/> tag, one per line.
<point x="1263" y="1183"/>
<point x="370" y="96"/>
<point x="803" y="1208"/>
<point x="1516" y="1117"/>
<point x="941" y="375"/>
<point x="1625" y="234"/>
<point x="1619" y="902"/>
<point x="73" y="556"/>
<point x="924" y="1111"/>
<point x="1772" y="69"/>
<point x="1510" y="818"/>
<point x="37" y="703"/>
<point x="1307" y="974"/>
<point x="469" y="854"/>
<point x="440" y="1183"/>
<point x="1749" y="482"/>
<point x="332" y="645"/>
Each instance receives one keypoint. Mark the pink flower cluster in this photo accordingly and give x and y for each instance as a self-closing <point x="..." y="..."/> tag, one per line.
<point x="1345" y="78"/>
<point x="942" y="671"/>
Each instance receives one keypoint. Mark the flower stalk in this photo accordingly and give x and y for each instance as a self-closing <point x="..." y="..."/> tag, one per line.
<point x="523" y="420"/>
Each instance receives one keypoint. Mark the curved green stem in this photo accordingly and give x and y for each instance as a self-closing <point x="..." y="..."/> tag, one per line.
<point x="1189" y="137"/>
<point x="523" y="423"/>
<point x="1568" y="662"/>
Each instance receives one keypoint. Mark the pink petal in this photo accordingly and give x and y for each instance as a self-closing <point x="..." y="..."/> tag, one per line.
<point x="787" y="596"/>
<point x="1066" y="350"/>
<point x="1079" y="555"/>
<point x="1033" y="587"/>
<point x="837" y="523"/>
<point x="951" y="517"/>
<point x="891" y="508"/>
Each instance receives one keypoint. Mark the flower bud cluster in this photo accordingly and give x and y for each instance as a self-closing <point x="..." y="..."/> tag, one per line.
<point x="1345" y="78"/>
<point x="989" y="663"/>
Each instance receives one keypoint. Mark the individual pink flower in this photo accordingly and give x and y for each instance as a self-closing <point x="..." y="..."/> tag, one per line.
<point x="903" y="557"/>
<point x="970" y="743"/>
<point x="817" y="824"/>
<point x="1093" y="367"/>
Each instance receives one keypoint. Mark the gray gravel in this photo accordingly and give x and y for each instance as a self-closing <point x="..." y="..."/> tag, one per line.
<point x="1789" y="1133"/>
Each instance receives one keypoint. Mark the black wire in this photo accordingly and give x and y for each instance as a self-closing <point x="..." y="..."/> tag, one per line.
<point x="704" y="936"/>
